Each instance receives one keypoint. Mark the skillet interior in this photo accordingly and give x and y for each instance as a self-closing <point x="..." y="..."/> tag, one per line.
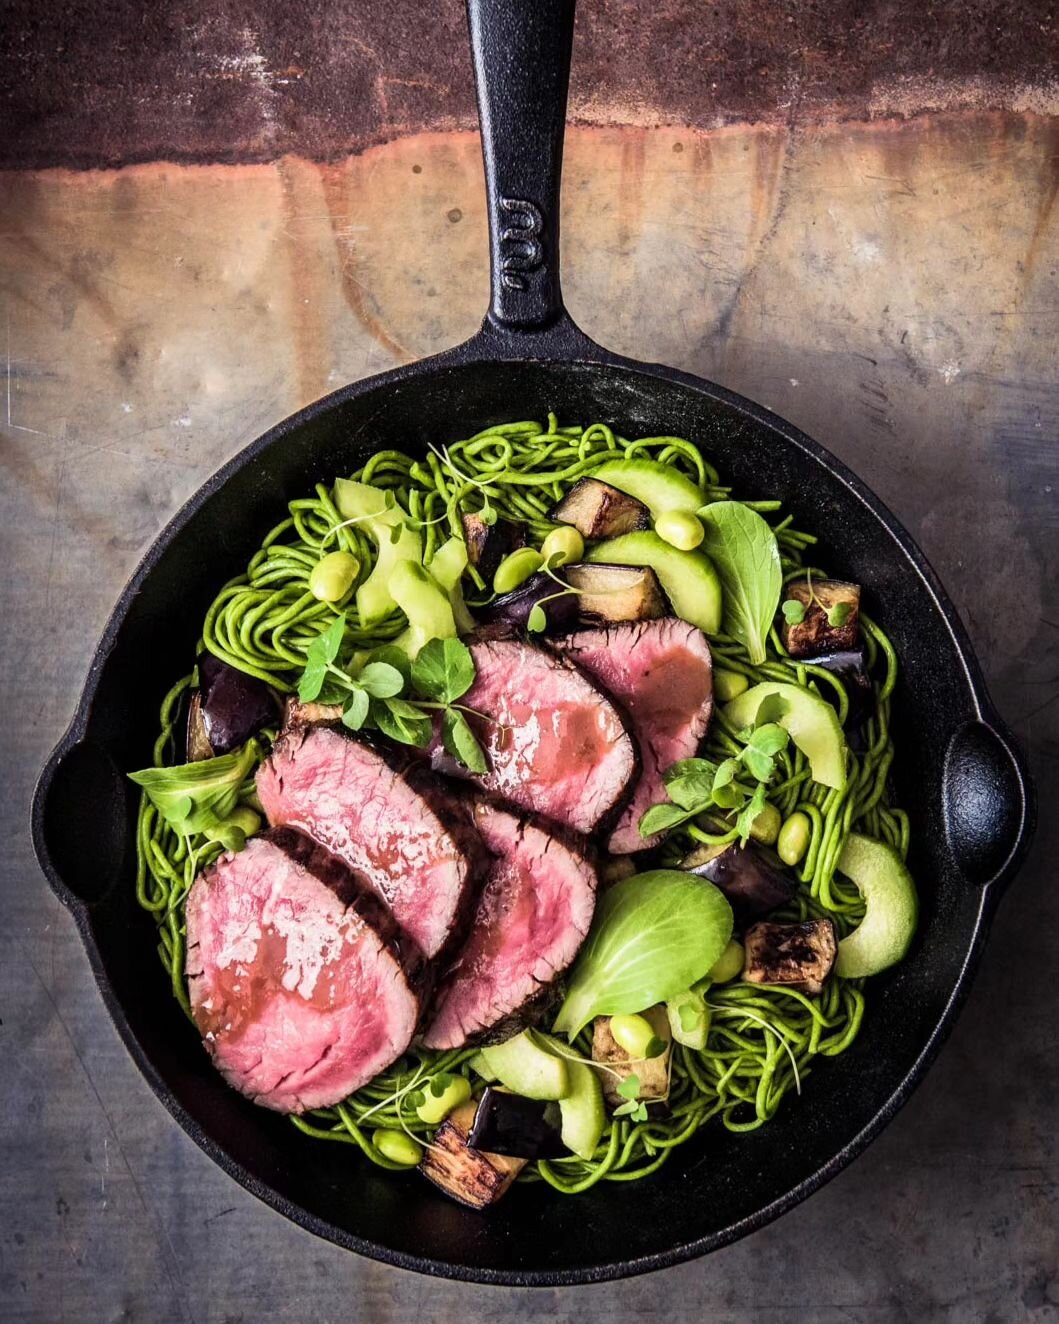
<point x="716" y="1184"/>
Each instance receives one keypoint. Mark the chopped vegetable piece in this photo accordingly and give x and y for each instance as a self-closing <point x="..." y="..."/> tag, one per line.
<point x="598" y="510"/>
<point x="446" y="568"/>
<point x="473" y="1177"/>
<point x="661" y="487"/>
<point x="525" y="1067"/>
<point x="488" y="544"/>
<point x="652" y="1073"/>
<point x="234" y="706"/>
<point x="632" y="1032"/>
<point x="398" y="1147"/>
<point x="562" y="546"/>
<point x="425" y="603"/>
<point x="514" y="608"/>
<point x="296" y="713"/>
<point x="891" y="907"/>
<point x="198" y="744"/>
<point x="616" y="592"/>
<point x="811" y="721"/>
<point x="520" y="1128"/>
<point x="613" y="868"/>
<point x="728" y="684"/>
<point x="798" y="956"/>
<point x="375" y="512"/>
<point x="749" y="876"/>
<point x="813" y="633"/>
<point x="688" y="578"/>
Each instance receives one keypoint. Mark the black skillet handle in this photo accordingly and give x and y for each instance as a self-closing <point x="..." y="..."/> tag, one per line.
<point x="522" y="72"/>
<point x="987" y="803"/>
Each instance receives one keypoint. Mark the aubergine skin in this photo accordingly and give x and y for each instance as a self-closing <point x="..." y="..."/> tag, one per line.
<point x="851" y="668"/>
<point x="520" y="1128"/>
<point x="513" y="609"/>
<point x="751" y="877"/>
<point x="234" y="706"/>
<point x="488" y="544"/>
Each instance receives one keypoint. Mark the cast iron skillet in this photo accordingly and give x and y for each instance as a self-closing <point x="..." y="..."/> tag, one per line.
<point x="958" y="773"/>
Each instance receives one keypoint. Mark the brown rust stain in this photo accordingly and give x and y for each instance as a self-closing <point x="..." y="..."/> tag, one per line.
<point x="336" y="181"/>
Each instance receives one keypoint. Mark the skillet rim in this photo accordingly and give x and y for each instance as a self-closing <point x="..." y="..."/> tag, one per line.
<point x="561" y="344"/>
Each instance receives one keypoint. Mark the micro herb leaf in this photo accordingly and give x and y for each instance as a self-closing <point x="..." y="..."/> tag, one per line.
<point x="760" y="766"/>
<point x="692" y="787"/>
<point x="393" y="657"/>
<point x="626" y="1109"/>
<point x="655" y="1048"/>
<point x="839" y="614"/>
<point x="793" y="611"/>
<point x="320" y="654"/>
<point x="537" y="621"/>
<point x="726" y="773"/>
<point x="488" y="516"/>
<point x="639" y="1113"/>
<point x="746" y="818"/>
<point x="660" y="818"/>
<point x="771" y="708"/>
<point x="461" y="742"/>
<point x="443" y="670"/>
<point x="402" y="721"/>
<point x="440" y="1083"/>
<point x="416" y="1100"/>
<point x="770" y="738"/>
<point x="629" y="1088"/>
<point x="197" y="797"/>
<point x="355" y="710"/>
<point x="381" y="680"/>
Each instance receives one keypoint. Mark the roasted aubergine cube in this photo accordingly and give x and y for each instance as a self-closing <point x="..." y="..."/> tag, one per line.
<point x="297" y="714"/>
<point x="616" y="592"/>
<point x="508" y="1124"/>
<point x="471" y="1176"/>
<point x="652" y="1072"/>
<point x="813" y="635"/>
<point x="799" y="956"/>
<point x="488" y="544"/>
<point x="512" y="610"/>
<point x="227" y="709"/>
<point x="751" y="877"/>
<point x="598" y="510"/>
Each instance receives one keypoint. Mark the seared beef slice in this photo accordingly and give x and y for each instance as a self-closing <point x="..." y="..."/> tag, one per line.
<point x="556" y="745"/>
<point x="533" y="916"/>
<point x="296" y="983"/>
<point x="344" y="794"/>
<point x="662" y="673"/>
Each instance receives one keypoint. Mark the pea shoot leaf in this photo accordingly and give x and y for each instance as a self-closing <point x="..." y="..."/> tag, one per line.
<point x="320" y="654"/>
<point x="402" y="721"/>
<point x="537" y="621"/>
<point x="461" y="742"/>
<point x="381" y="680"/>
<point x="393" y="657"/>
<point x="629" y="1088"/>
<point x="355" y="711"/>
<point x="760" y="766"/>
<point x="660" y="818"/>
<point x="443" y="670"/>
<point x="753" y="807"/>
<point x="625" y="1109"/>
<point x="770" y="738"/>
<point x="689" y="783"/>
<point x="488" y="516"/>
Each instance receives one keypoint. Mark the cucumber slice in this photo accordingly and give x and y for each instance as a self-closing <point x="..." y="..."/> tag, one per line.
<point x="527" y="1069"/>
<point x="812" y="722"/>
<point x="688" y="578"/>
<point x="582" y="1115"/>
<point x="660" y="487"/>
<point x="891" y="907"/>
<point x="367" y="505"/>
<point x="424" y="602"/>
<point x="447" y="567"/>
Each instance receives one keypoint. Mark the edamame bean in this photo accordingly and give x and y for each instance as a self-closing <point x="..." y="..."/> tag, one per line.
<point x="680" y="528"/>
<point x="332" y="577"/>
<point x="436" y="1107"/>
<point x="633" y="1033"/>
<point x="729" y="963"/>
<point x="516" y="568"/>
<point x="565" y="544"/>
<point x="728" y="684"/>
<point x="793" y="840"/>
<point x="766" y="827"/>
<point x="398" y="1148"/>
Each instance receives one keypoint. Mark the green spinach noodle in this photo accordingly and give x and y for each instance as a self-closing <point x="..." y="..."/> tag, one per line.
<point x="763" y="1040"/>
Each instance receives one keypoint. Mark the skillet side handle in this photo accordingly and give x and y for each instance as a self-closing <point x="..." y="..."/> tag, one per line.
<point x="522" y="71"/>
<point x="988" y="804"/>
<point x="80" y="822"/>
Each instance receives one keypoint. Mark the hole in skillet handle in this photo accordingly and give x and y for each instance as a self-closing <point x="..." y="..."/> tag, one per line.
<point x="80" y="822"/>
<point x="987" y="803"/>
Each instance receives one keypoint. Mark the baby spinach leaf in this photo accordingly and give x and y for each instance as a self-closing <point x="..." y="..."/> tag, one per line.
<point x="653" y="935"/>
<point x="461" y="742"/>
<point x="197" y="797"/>
<point x="744" y="551"/>
<point x="443" y="670"/>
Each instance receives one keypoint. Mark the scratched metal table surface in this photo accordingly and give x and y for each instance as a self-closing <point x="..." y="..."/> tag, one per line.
<point x="885" y="279"/>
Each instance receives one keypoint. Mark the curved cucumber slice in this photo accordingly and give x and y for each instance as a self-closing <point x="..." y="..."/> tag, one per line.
<point x="582" y="1116"/>
<point x="368" y="506"/>
<point x="891" y="908"/>
<point x="688" y="578"/>
<point x="811" y="721"/>
<point x="527" y="1069"/>
<point x="659" y="486"/>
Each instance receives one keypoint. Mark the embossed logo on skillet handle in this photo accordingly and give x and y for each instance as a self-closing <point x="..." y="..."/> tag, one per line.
<point x="522" y="71"/>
